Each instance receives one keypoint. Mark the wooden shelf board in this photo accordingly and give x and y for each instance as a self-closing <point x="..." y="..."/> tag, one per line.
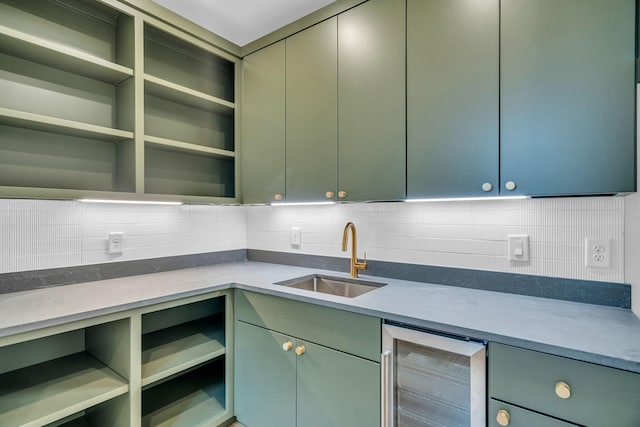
<point x="183" y="95"/>
<point x="67" y="127"/>
<point x="193" y="399"/>
<point x="173" y="350"/>
<point x="187" y="147"/>
<point x="65" y="58"/>
<point x="43" y="393"/>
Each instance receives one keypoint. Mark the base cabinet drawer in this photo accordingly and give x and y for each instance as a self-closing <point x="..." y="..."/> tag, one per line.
<point x="578" y="392"/>
<point x="502" y="414"/>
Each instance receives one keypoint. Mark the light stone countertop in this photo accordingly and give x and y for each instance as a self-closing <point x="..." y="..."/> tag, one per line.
<point x="597" y="334"/>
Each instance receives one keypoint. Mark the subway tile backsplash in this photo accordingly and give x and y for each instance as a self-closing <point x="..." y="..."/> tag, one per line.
<point x="462" y="234"/>
<point x="40" y="234"/>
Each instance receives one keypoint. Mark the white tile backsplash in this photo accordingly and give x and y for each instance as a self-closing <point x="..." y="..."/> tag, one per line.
<point x="38" y="234"/>
<point x="462" y="234"/>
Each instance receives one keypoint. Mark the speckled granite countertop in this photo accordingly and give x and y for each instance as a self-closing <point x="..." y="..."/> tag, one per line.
<point x="603" y="335"/>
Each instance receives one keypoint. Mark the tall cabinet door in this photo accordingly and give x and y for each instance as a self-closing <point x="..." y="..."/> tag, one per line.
<point x="265" y="377"/>
<point x="311" y="123"/>
<point x="336" y="389"/>
<point x="567" y="96"/>
<point x="371" y="101"/>
<point x="452" y="97"/>
<point x="263" y="124"/>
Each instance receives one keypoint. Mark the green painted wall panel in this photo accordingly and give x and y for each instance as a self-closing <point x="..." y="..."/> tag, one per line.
<point x="452" y="97"/>
<point x="311" y="118"/>
<point x="371" y="101"/>
<point x="263" y="124"/>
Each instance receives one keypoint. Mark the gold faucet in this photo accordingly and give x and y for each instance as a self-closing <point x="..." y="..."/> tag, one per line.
<point x="355" y="264"/>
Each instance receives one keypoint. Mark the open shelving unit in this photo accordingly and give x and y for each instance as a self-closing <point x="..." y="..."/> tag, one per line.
<point x="100" y="98"/>
<point x="184" y="364"/>
<point x="48" y="379"/>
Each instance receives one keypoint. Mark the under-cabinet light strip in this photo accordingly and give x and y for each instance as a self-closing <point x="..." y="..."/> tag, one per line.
<point x="133" y="202"/>
<point x="467" y="199"/>
<point x="303" y="204"/>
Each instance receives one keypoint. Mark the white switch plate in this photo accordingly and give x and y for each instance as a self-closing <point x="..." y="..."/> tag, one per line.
<point x="518" y="247"/>
<point x="295" y="236"/>
<point x="116" y="243"/>
<point x="597" y="252"/>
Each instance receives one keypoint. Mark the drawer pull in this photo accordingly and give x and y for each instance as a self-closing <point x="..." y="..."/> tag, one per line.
<point x="287" y="346"/>
<point x="503" y="417"/>
<point x="563" y="391"/>
<point x="300" y="350"/>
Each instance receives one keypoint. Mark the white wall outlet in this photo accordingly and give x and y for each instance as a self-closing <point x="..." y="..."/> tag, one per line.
<point x="597" y="252"/>
<point x="518" y="247"/>
<point x="295" y="236"/>
<point x="116" y="243"/>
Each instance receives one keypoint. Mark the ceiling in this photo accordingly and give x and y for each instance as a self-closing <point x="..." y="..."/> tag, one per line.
<point x="243" y="21"/>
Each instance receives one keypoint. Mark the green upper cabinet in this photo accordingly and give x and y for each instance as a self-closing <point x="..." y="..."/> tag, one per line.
<point x="567" y="97"/>
<point x="452" y="97"/>
<point x="311" y="112"/>
<point x="263" y="119"/>
<point x="371" y="101"/>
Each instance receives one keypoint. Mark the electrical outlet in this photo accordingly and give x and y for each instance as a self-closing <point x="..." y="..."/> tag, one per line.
<point x="597" y="252"/>
<point x="295" y="236"/>
<point x="116" y="243"/>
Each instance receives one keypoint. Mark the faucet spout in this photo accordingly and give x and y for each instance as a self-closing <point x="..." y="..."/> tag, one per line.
<point x="355" y="264"/>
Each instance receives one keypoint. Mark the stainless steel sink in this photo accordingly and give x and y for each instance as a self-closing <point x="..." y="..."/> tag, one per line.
<point x="332" y="285"/>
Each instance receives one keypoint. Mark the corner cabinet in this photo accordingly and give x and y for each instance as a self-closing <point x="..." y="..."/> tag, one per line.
<point x="166" y="364"/>
<point x="529" y="388"/>
<point x="103" y="101"/>
<point x="299" y="364"/>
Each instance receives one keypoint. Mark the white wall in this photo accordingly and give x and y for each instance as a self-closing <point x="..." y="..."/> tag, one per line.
<point x="469" y="234"/>
<point x="39" y="234"/>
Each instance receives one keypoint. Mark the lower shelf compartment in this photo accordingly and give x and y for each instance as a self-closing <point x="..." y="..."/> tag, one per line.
<point x="49" y="391"/>
<point x="193" y="399"/>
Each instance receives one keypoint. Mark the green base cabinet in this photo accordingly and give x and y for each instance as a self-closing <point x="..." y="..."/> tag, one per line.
<point x="300" y="375"/>
<point x="519" y="417"/>
<point x="576" y="392"/>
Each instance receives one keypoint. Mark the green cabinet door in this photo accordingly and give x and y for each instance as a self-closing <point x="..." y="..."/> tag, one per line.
<point x="371" y="101"/>
<point x="567" y="96"/>
<point x="519" y="417"/>
<point x="336" y="389"/>
<point x="452" y="98"/>
<point x="311" y="117"/>
<point x="265" y="378"/>
<point x="263" y="124"/>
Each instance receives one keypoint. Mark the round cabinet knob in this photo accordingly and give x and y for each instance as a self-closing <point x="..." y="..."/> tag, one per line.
<point x="487" y="187"/>
<point x="278" y="197"/>
<point x="503" y="417"/>
<point x="342" y="194"/>
<point x="329" y="194"/>
<point x="510" y="185"/>
<point x="300" y="350"/>
<point x="287" y="346"/>
<point x="563" y="391"/>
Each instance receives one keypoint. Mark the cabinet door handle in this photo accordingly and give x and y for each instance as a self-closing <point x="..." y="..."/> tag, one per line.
<point x="287" y="346"/>
<point x="342" y="194"/>
<point x="300" y="350"/>
<point x="510" y="185"/>
<point x="329" y="195"/>
<point x="278" y="196"/>
<point x="503" y="417"/>
<point x="387" y="392"/>
<point x="563" y="390"/>
<point x="486" y="187"/>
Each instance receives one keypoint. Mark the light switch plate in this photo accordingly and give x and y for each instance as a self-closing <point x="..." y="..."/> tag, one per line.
<point x="518" y="247"/>
<point x="295" y="236"/>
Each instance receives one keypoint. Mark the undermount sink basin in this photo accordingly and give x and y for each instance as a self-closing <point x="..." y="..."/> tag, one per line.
<point x="332" y="285"/>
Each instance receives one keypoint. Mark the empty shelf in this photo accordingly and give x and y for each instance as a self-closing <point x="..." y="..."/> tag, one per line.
<point x="45" y="52"/>
<point x="186" y="147"/>
<point x="169" y="351"/>
<point x="46" y="392"/>
<point x="183" y="95"/>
